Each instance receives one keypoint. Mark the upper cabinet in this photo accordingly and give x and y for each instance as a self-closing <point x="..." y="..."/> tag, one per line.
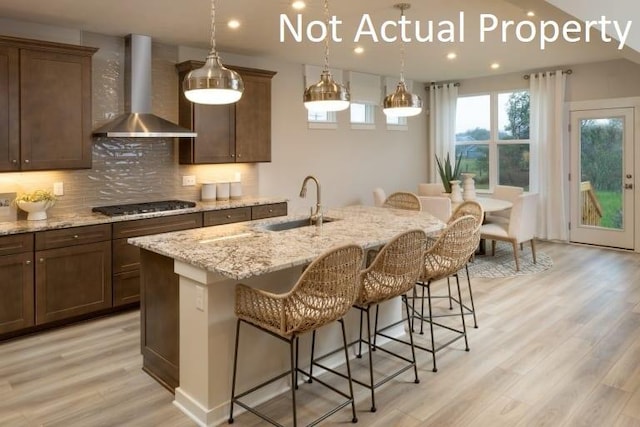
<point x="45" y="105"/>
<point x="239" y="132"/>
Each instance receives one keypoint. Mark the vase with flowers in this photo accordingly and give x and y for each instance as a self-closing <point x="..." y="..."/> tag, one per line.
<point x="36" y="203"/>
<point x="449" y="172"/>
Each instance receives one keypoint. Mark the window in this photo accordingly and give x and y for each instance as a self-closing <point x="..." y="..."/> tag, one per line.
<point x="492" y="133"/>
<point x="322" y="119"/>
<point x="362" y="115"/>
<point x="396" y="121"/>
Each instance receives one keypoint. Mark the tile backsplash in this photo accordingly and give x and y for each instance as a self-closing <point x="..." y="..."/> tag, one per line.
<point x="127" y="170"/>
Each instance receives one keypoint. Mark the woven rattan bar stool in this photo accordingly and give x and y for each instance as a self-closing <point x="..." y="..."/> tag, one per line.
<point x="403" y="200"/>
<point x="392" y="273"/>
<point x="445" y="258"/>
<point x="324" y="293"/>
<point x="473" y="208"/>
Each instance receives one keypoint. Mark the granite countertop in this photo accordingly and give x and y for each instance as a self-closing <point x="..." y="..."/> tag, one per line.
<point x="242" y="250"/>
<point x="91" y="218"/>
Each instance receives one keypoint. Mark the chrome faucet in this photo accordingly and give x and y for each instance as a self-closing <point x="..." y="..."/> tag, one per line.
<point x="316" y="217"/>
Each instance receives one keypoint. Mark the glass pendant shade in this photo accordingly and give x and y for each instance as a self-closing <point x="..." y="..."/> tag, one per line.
<point x="402" y="103"/>
<point x="326" y="95"/>
<point x="213" y="83"/>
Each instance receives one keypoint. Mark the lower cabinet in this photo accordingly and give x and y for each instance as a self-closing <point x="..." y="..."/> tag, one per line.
<point x="72" y="277"/>
<point x="16" y="288"/>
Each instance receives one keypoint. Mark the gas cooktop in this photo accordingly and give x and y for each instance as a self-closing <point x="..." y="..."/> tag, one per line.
<point x="138" y="208"/>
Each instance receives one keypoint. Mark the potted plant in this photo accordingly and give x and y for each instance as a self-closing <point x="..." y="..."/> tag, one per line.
<point x="447" y="172"/>
<point x="36" y="203"/>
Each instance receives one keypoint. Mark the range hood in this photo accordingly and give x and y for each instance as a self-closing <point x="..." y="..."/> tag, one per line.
<point x="138" y="122"/>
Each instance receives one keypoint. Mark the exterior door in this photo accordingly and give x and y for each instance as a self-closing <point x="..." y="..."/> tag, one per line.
<point x="602" y="176"/>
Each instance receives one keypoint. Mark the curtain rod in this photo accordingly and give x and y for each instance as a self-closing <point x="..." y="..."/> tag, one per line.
<point x="553" y="73"/>
<point x="439" y="85"/>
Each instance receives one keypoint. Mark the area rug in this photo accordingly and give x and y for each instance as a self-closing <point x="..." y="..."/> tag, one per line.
<point x="504" y="265"/>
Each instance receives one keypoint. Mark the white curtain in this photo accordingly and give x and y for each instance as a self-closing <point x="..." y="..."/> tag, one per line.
<point x="442" y="124"/>
<point x="547" y="160"/>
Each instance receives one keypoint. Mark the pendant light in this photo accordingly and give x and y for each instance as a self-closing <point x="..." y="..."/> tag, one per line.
<point x="213" y="83"/>
<point x="402" y="103"/>
<point x="327" y="94"/>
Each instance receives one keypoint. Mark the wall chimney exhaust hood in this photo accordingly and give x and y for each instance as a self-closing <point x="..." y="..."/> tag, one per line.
<point x="138" y="122"/>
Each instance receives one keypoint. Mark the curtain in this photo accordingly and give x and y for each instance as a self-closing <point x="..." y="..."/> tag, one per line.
<point x="547" y="160"/>
<point x="442" y="124"/>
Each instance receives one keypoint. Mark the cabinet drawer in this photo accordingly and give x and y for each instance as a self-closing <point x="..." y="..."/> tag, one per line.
<point x="126" y="288"/>
<point x="126" y="257"/>
<point x="72" y="236"/>
<point x="227" y="216"/>
<point x="165" y="224"/>
<point x="16" y="244"/>
<point x="268" y="211"/>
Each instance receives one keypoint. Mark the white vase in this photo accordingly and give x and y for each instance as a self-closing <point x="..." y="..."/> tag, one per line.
<point x="468" y="186"/>
<point x="456" y="194"/>
<point x="36" y="210"/>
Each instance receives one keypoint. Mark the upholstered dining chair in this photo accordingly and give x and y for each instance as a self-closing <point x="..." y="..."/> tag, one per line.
<point x="451" y="251"/>
<point x="521" y="227"/>
<point x="324" y="293"/>
<point x="430" y="189"/>
<point x="504" y="192"/>
<point x="403" y="200"/>
<point x="438" y="206"/>
<point x="391" y="274"/>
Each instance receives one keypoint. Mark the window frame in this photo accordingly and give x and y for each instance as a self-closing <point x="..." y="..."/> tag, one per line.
<point x="494" y="142"/>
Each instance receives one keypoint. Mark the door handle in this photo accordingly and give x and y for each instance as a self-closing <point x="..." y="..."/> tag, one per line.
<point x="628" y="186"/>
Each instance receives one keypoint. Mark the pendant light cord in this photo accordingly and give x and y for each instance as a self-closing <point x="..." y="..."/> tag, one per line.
<point x="326" y="39"/>
<point x="213" y="27"/>
<point x="402" y="45"/>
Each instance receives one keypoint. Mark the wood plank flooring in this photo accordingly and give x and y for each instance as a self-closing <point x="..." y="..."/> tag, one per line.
<point x="560" y="348"/>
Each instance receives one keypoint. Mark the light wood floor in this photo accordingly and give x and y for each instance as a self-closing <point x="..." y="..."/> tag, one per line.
<point x="557" y="348"/>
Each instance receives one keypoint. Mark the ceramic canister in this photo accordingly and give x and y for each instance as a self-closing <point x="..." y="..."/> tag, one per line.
<point x="222" y="191"/>
<point x="208" y="192"/>
<point x="235" y="191"/>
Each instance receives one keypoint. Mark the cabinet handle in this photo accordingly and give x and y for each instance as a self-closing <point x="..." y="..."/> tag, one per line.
<point x="229" y="216"/>
<point x="270" y="210"/>
<point x="75" y="236"/>
<point x="27" y="161"/>
<point x="233" y="155"/>
<point x="28" y="262"/>
<point x="41" y="259"/>
<point x="239" y="155"/>
<point x="14" y="161"/>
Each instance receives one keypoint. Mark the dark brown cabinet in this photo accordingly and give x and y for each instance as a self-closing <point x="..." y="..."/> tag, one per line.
<point x="239" y="132"/>
<point x="126" y="257"/>
<point x="72" y="272"/>
<point x="16" y="282"/>
<point x="45" y="111"/>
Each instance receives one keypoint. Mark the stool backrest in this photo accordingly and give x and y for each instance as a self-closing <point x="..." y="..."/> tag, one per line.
<point x="451" y="251"/>
<point x="403" y="200"/>
<point x="395" y="269"/>
<point x="468" y="207"/>
<point x="326" y="289"/>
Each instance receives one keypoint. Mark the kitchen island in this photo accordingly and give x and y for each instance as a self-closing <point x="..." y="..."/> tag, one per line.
<point x="209" y="262"/>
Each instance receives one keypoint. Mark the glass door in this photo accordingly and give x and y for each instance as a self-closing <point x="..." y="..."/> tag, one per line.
<point x="602" y="208"/>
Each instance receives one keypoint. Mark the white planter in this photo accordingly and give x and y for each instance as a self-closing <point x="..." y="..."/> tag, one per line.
<point x="456" y="194"/>
<point x="36" y="210"/>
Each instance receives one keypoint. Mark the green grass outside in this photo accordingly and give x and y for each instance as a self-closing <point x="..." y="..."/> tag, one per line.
<point x="611" y="204"/>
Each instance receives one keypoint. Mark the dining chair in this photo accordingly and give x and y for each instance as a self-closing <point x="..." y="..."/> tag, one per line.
<point x="443" y="259"/>
<point x="521" y="227"/>
<point x="391" y="274"/>
<point x="438" y="206"/>
<point x="324" y="293"/>
<point x="402" y="200"/>
<point x="504" y="192"/>
<point x="430" y="189"/>
<point x="379" y="197"/>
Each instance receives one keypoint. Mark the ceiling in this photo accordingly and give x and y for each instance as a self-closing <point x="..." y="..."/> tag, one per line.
<point x="187" y="22"/>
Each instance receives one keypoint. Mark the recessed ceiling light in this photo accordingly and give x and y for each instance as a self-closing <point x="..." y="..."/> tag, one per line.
<point x="358" y="49"/>
<point x="298" y="5"/>
<point x="531" y="14"/>
<point x="233" y="23"/>
<point x="452" y="55"/>
<point x="495" y="66"/>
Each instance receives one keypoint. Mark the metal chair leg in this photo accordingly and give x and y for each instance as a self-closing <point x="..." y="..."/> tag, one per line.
<point x="293" y="378"/>
<point x="346" y="357"/>
<point x="433" y="342"/>
<point x="373" y="396"/>
<point x="359" y="355"/>
<point x="473" y="307"/>
<point x="464" y="326"/>
<point x="413" y="350"/>
<point x="235" y="371"/>
<point x="313" y="348"/>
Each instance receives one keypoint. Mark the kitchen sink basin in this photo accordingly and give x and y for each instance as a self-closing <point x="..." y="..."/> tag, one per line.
<point x="298" y="223"/>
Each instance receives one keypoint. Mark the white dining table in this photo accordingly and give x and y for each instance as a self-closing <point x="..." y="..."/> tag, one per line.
<point x="489" y="204"/>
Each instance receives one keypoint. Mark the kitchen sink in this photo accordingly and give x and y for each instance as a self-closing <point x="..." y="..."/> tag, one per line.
<point x="298" y="223"/>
